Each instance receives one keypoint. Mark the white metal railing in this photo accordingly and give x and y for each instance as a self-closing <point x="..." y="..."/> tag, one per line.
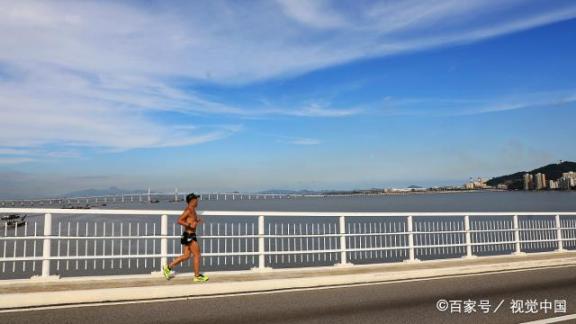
<point x="145" y="239"/>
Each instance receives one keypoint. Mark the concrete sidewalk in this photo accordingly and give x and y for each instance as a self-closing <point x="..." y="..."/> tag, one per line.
<point x="72" y="291"/>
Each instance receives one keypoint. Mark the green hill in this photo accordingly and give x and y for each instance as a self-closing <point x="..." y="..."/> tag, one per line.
<point x="552" y="172"/>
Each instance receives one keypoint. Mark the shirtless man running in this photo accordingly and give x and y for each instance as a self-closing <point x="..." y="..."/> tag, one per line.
<point x="189" y="220"/>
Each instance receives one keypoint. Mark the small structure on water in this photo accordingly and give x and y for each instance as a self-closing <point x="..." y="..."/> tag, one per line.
<point x="12" y="220"/>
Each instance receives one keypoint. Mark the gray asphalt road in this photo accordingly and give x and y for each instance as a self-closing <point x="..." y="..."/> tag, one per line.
<point x="402" y="302"/>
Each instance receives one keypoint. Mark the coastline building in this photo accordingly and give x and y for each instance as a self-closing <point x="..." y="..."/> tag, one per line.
<point x="570" y="175"/>
<point x="528" y="181"/>
<point x="564" y="183"/>
<point x="553" y="184"/>
<point x="475" y="184"/>
<point x="540" y="181"/>
<point x="568" y="181"/>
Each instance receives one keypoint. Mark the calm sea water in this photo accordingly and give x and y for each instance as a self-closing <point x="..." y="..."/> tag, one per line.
<point x="437" y="202"/>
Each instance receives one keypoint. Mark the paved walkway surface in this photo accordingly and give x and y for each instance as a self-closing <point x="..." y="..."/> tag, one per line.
<point x="398" y="302"/>
<point x="37" y="293"/>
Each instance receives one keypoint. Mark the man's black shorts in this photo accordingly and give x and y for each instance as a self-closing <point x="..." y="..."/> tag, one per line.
<point x="187" y="238"/>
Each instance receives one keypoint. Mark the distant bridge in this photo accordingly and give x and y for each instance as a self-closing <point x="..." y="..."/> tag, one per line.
<point x="154" y="197"/>
<point x="150" y="197"/>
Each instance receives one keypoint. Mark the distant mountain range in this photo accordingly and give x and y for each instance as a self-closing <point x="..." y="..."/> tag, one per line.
<point x="100" y="192"/>
<point x="516" y="180"/>
<point x="513" y="181"/>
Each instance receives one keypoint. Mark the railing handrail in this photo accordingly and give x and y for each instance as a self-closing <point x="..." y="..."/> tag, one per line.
<point x="268" y="213"/>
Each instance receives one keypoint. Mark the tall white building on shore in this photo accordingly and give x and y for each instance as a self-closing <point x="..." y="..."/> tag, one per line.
<point x="540" y="180"/>
<point x="567" y="181"/>
<point x="564" y="184"/>
<point x="570" y="175"/>
<point x="479" y="183"/>
<point x="528" y="181"/>
<point x="553" y="184"/>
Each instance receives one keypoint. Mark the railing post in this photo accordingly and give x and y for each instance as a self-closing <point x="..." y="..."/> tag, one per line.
<point x="46" y="253"/>
<point x="411" y="252"/>
<point x="164" y="240"/>
<point x="261" y="245"/>
<point x="559" y="234"/>
<point x="343" y="247"/>
<point x="468" y="236"/>
<point x="517" y="236"/>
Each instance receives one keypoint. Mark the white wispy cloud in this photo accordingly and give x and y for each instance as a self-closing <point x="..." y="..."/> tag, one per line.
<point x="321" y="111"/>
<point x="96" y="74"/>
<point x="474" y="106"/>
<point x="311" y="110"/>
<point x="226" y="42"/>
<point x="14" y="160"/>
<point x="51" y="106"/>
<point x="300" y="141"/>
<point x="11" y="151"/>
<point x="18" y="156"/>
<point x="315" y="14"/>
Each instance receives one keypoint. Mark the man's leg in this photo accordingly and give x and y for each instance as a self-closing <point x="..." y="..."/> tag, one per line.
<point x="195" y="247"/>
<point x="181" y="258"/>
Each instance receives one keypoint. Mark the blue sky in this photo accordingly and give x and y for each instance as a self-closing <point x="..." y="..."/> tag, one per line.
<point x="256" y="95"/>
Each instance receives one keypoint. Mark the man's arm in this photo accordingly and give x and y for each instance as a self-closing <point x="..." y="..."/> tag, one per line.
<point x="186" y="216"/>
<point x="182" y="220"/>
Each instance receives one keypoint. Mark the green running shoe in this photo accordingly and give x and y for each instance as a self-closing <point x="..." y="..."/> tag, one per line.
<point x="168" y="274"/>
<point x="200" y="278"/>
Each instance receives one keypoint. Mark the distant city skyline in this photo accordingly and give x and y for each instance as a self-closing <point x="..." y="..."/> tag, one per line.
<point x="251" y="96"/>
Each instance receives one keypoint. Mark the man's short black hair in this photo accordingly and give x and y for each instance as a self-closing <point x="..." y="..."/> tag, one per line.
<point x="191" y="196"/>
